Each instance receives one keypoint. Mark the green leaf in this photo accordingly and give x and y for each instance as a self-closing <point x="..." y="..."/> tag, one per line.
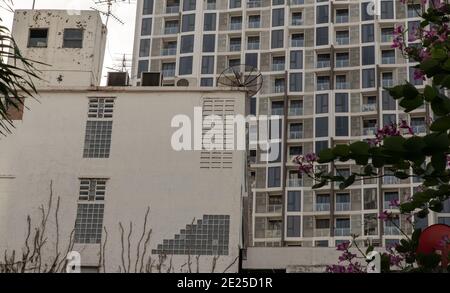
<point x="341" y="150"/>
<point x="436" y="206"/>
<point x="423" y="213"/>
<point x="396" y="92"/>
<point x="441" y="124"/>
<point x="320" y="185"/>
<point x="360" y="148"/>
<point x="437" y="141"/>
<point x="430" y="65"/>
<point x="430" y="93"/>
<point x="439" y="162"/>
<point x="410" y="91"/>
<point x="349" y="181"/>
<point x="407" y="207"/>
<point x="439" y="54"/>
<point x="394" y="143"/>
<point x="411" y="104"/>
<point x="401" y="175"/>
<point x="326" y="156"/>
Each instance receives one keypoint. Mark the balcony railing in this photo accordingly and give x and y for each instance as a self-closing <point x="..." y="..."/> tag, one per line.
<point x="297" y="21"/>
<point x="369" y="107"/>
<point x="254" y="3"/>
<point x="235" y="26"/>
<point x="297" y="43"/>
<point x="342" y="85"/>
<point x="388" y="206"/>
<point x="391" y="180"/>
<point x="323" y="86"/>
<point x="419" y="128"/>
<point x="274" y="208"/>
<point x="235" y="47"/>
<point x="343" y="41"/>
<point x="295" y="134"/>
<point x="295" y="182"/>
<point x="172" y="9"/>
<point x="387" y="82"/>
<point x="171" y="30"/>
<point x="254" y="24"/>
<point x="391" y="230"/>
<point x="278" y="89"/>
<point x="387" y="38"/>
<point x="211" y="6"/>
<point x="369" y="131"/>
<point x="296" y="111"/>
<point x="342" y="232"/>
<point x="297" y="2"/>
<point x="168" y="72"/>
<point x="322" y="207"/>
<point x="278" y="67"/>
<point x="342" y="63"/>
<point x="169" y="51"/>
<point x="277" y="111"/>
<point x="341" y="19"/>
<point x="273" y="233"/>
<point x="323" y="64"/>
<point x="343" y="206"/>
<point x="388" y="60"/>
<point x="322" y="232"/>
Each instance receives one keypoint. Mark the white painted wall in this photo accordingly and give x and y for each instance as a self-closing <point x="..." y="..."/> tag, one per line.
<point x="143" y="170"/>
<point x="77" y="67"/>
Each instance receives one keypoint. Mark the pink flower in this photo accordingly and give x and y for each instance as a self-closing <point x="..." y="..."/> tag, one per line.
<point x="343" y="246"/>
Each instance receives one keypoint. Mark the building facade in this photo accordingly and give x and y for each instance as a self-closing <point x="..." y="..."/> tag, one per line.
<point x="324" y="64"/>
<point x="97" y="160"/>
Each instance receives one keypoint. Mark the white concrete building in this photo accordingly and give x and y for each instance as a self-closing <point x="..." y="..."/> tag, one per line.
<point x="106" y="155"/>
<point x="70" y="46"/>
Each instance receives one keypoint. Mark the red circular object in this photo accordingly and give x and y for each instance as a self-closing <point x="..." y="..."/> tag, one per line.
<point x="430" y="239"/>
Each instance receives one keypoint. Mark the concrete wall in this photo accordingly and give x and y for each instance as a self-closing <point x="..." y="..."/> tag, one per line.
<point x="143" y="171"/>
<point x="63" y="66"/>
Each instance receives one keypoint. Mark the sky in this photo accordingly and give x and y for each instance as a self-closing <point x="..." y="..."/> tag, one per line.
<point x="120" y="37"/>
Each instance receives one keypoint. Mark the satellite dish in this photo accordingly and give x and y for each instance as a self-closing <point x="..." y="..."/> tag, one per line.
<point x="183" y="82"/>
<point x="242" y="76"/>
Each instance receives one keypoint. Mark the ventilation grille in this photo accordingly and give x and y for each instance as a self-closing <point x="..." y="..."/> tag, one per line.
<point x="218" y="158"/>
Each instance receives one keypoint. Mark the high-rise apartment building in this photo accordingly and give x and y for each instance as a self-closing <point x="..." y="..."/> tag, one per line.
<point x="324" y="64"/>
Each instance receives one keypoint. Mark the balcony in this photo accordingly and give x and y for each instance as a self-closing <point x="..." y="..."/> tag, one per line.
<point x="172" y="9"/>
<point x="342" y="232"/>
<point x="278" y="67"/>
<point x="278" y="111"/>
<point x="343" y="41"/>
<point x="171" y="30"/>
<point x="273" y="233"/>
<point x="297" y="21"/>
<point x="322" y="232"/>
<point x="342" y="85"/>
<point x="254" y="24"/>
<point x="295" y="134"/>
<point x="322" y="207"/>
<point x="295" y="182"/>
<point x="387" y="38"/>
<point x="391" y="230"/>
<point x="323" y="86"/>
<point x="388" y="60"/>
<point x="168" y="51"/>
<point x="254" y="3"/>
<point x="296" y="111"/>
<point x="235" y="47"/>
<point x="419" y="129"/>
<point x="297" y="43"/>
<point x="274" y="208"/>
<point x="369" y="107"/>
<point x="343" y="206"/>
<point x="211" y="6"/>
<point x="253" y="46"/>
<point x="236" y="26"/>
<point x="369" y="131"/>
<point x="342" y="63"/>
<point x="341" y="19"/>
<point x="278" y="89"/>
<point x="297" y="2"/>
<point x="391" y="180"/>
<point x="388" y="206"/>
<point x="323" y="63"/>
<point x="387" y="83"/>
<point x="168" y="72"/>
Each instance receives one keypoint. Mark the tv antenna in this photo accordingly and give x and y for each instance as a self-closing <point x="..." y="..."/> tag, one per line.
<point x="122" y="64"/>
<point x="109" y="9"/>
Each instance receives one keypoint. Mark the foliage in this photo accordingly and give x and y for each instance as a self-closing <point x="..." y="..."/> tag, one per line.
<point x="16" y="75"/>
<point x="396" y="148"/>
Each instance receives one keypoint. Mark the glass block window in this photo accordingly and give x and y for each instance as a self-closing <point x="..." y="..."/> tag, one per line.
<point x="89" y="223"/>
<point x="101" y="108"/>
<point x="97" y="142"/>
<point x="209" y="236"/>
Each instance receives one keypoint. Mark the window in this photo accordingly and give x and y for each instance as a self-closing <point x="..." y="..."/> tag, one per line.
<point x="388" y="102"/>
<point x="146" y="28"/>
<point x="321" y="103"/>
<point x="342" y="126"/>
<point x="251" y="59"/>
<point x="188" y="24"/>
<point x="73" y="38"/>
<point x="370" y="199"/>
<point x="341" y="102"/>
<point x="97" y="143"/>
<point x="322" y="14"/>
<point x="322" y="127"/>
<point x="101" y="108"/>
<point x="294" y="201"/>
<point x="387" y="9"/>
<point x="367" y="33"/>
<point x="38" y="38"/>
<point x="189" y="5"/>
<point x="210" y="22"/>
<point x="321" y="243"/>
<point x="207" y="82"/>
<point x="90" y="211"/>
<point x="208" y="65"/>
<point x="365" y="12"/>
<point x="321" y="145"/>
<point x="144" y="48"/>
<point x="147" y="7"/>
<point x="274" y="177"/>
<point x="278" y="17"/>
<point x="322" y="36"/>
<point x="293" y="226"/>
<point x="185" y="65"/>
<point x="322" y="224"/>
<point x="368" y="55"/>
<point x="368" y="78"/>
<point x="142" y="67"/>
<point x="296" y="59"/>
<point x="209" y="43"/>
<point x="296" y="82"/>
<point x="444" y="220"/>
<point x="187" y="44"/>
<point x="277" y="39"/>
<point x="370" y="224"/>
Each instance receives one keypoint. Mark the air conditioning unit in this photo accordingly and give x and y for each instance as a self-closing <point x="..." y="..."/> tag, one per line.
<point x="151" y="79"/>
<point x="183" y="83"/>
<point x="118" y="79"/>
